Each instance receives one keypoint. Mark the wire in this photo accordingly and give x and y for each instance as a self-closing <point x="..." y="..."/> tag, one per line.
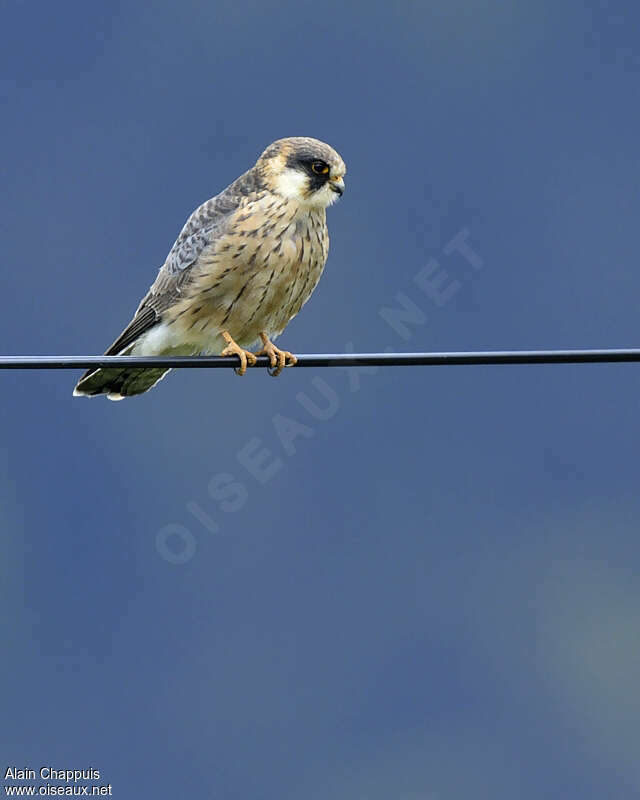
<point x="333" y="359"/>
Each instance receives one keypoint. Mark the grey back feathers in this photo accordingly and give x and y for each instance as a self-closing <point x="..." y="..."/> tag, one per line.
<point x="209" y="221"/>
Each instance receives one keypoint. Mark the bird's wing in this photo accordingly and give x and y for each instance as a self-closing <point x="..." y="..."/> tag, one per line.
<point x="145" y="319"/>
<point x="164" y="292"/>
<point x="207" y="224"/>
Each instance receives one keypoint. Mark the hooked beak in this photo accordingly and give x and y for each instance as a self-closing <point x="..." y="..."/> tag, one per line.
<point x="337" y="184"/>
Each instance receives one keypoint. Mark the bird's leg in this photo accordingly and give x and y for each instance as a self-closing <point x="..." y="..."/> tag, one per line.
<point x="233" y="349"/>
<point x="279" y="359"/>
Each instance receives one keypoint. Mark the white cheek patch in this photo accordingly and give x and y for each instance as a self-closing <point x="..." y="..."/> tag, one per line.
<point x="292" y="184"/>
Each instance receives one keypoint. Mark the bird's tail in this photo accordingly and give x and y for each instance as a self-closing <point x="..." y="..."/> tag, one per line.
<point x="118" y="382"/>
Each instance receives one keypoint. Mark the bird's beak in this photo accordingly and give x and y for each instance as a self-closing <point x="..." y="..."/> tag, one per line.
<point x="337" y="184"/>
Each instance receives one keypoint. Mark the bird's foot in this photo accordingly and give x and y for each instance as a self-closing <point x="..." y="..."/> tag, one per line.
<point x="232" y="349"/>
<point x="279" y="359"/>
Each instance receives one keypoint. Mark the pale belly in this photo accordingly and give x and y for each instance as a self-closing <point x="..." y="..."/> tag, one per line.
<point x="248" y="286"/>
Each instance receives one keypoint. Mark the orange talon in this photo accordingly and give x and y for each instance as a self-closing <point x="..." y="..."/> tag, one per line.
<point x="232" y="349"/>
<point x="279" y="359"/>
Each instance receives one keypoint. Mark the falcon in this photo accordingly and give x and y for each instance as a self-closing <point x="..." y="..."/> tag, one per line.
<point x="242" y="267"/>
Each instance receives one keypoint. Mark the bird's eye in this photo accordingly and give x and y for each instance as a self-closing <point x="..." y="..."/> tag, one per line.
<point x="319" y="167"/>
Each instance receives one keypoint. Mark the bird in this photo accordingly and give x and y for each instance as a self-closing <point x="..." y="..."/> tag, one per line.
<point x="242" y="267"/>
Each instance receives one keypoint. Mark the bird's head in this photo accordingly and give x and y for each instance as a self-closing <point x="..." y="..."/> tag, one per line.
<point x="303" y="169"/>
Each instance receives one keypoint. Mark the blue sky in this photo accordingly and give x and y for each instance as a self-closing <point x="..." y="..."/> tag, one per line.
<point x="420" y="583"/>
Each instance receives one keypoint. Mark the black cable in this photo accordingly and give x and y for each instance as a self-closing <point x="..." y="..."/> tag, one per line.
<point x="333" y="359"/>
